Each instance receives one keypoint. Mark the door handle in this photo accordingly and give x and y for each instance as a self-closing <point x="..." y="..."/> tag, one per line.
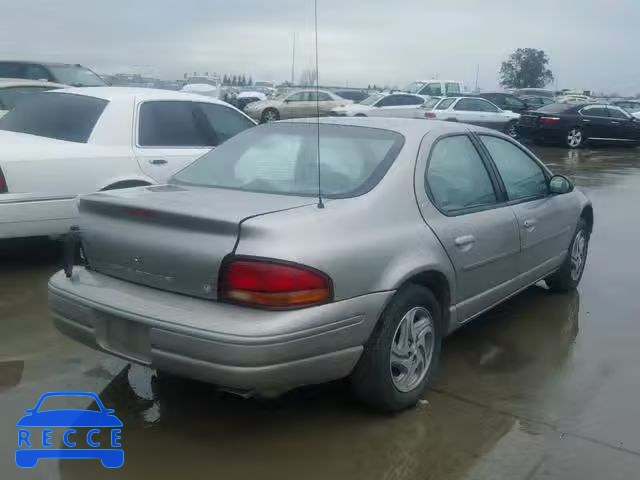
<point x="464" y="240"/>
<point x="615" y="123"/>
<point x="158" y="161"/>
<point x="530" y="224"/>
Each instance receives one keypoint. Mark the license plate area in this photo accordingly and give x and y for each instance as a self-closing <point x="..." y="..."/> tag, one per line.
<point x="125" y="338"/>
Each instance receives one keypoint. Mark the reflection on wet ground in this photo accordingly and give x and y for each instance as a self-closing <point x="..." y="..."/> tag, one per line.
<point x="544" y="386"/>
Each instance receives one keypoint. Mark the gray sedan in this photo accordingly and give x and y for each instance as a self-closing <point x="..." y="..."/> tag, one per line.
<point x="239" y="274"/>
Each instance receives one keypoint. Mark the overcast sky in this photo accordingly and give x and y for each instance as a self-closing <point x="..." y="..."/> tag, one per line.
<point x="591" y="44"/>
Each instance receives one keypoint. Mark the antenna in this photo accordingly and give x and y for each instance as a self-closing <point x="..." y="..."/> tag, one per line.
<point x="320" y="204"/>
<point x="293" y="61"/>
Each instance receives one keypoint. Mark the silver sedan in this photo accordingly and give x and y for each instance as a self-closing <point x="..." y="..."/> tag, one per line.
<point x="238" y="273"/>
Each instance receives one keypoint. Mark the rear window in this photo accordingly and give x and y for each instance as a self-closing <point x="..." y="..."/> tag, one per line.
<point x="556" y="108"/>
<point x="62" y="116"/>
<point x="282" y="159"/>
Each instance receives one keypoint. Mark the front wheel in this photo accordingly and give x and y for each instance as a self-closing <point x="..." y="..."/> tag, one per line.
<point x="402" y="353"/>
<point x="270" y="115"/>
<point x="511" y="129"/>
<point x="575" y="138"/>
<point x="569" y="275"/>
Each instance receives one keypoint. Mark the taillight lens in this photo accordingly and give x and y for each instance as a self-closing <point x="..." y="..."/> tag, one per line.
<point x="429" y="115"/>
<point x="549" y="120"/>
<point x="3" y="183"/>
<point x="272" y="284"/>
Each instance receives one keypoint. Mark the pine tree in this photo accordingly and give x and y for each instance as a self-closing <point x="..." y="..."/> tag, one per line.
<point x="250" y="83"/>
<point x="234" y="81"/>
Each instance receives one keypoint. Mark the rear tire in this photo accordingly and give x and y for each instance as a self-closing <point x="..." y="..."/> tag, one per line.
<point x="574" y="138"/>
<point x="511" y="129"/>
<point x="568" y="276"/>
<point x="402" y="354"/>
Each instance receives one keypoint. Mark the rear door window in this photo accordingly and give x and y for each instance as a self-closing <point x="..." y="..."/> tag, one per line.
<point x="61" y="116"/>
<point x="391" y="101"/>
<point x="444" y="104"/>
<point x="173" y="124"/>
<point x="224" y="121"/>
<point x="457" y="177"/>
<point x="618" y="113"/>
<point x="594" y="112"/>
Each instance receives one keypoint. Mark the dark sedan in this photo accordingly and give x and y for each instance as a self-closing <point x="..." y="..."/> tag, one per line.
<point x="574" y="125"/>
<point x="506" y="101"/>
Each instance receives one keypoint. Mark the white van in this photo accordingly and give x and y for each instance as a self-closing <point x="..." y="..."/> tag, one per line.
<point x="436" y="88"/>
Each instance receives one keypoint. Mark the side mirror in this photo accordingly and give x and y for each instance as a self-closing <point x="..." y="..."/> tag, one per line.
<point x="560" y="184"/>
<point x="286" y="100"/>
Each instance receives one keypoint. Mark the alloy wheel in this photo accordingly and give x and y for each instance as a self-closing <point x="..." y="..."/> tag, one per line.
<point x="270" y="116"/>
<point x="578" y="254"/>
<point x="574" y="137"/>
<point x="511" y="130"/>
<point x="412" y="349"/>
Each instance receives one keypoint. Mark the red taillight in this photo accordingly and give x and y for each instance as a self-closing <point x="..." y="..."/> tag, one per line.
<point x="549" y="120"/>
<point x="271" y="284"/>
<point x="3" y="183"/>
<point x="429" y="115"/>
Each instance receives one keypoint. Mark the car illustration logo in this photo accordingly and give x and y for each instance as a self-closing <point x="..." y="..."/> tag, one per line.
<point x="36" y="432"/>
<point x="138" y="260"/>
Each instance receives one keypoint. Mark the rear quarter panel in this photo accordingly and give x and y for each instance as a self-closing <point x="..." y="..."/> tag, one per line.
<point x="371" y="243"/>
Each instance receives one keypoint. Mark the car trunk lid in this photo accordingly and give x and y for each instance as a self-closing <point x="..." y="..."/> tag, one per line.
<point x="170" y="237"/>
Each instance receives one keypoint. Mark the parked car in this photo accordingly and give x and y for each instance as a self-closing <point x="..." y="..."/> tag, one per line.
<point x="356" y="96"/>
<point x="575" y="99"/>
<point x="298" y="104"/>
<point x="267" y="291"/>
<point x="505" y="101"/>
<point x="574" y="125"/>
<point x="382" y="105"/>
<point x="436" y="87"/>
<point x="536" y="101"/>
<point x="537" y="92"/>
<point x="475" y="111"/>
<point x="62" y="143"/>
<point x="248" y="96"/>
<point x="64" y="73"/>
<point x="13" y="90"/>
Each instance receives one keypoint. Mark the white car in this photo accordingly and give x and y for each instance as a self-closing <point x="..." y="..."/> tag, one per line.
<point x="12" y="90"/>
<point x="382" y="105"/>
<point x="473" y="110"/>
<point x="67" y="142"/>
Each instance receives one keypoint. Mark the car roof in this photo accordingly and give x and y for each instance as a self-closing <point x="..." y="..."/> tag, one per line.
<point x="113" y="93"/>
<point x="23" y="82"/>
<point x="409" y="127"/>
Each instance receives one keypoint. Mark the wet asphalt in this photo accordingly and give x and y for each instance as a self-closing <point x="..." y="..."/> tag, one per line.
<point x="544" y="386"/>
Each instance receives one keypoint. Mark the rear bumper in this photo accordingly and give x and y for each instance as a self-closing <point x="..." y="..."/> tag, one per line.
<point x="31" y="216"/>
<point x="227" y="345"/>
<point x="540" y="134"/>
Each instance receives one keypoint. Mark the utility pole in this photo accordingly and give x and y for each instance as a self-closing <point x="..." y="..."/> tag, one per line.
<point x="293" y="61"/>
<point x="477" y="75"/>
